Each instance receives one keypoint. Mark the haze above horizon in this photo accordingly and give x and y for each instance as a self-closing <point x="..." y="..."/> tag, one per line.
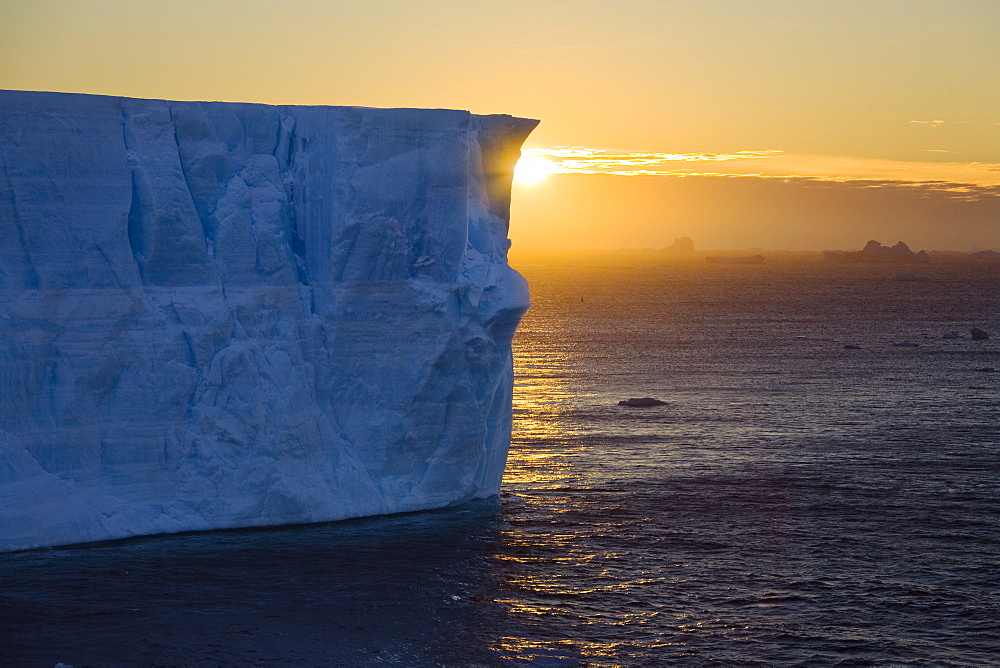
<point x="738" y="123"/>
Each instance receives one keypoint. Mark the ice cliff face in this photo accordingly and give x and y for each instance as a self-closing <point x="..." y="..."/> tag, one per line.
<point x="219" y="315"/>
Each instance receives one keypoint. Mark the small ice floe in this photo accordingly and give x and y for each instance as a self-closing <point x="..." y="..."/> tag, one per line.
<point x="905" y="344"/>
<point x="852" y="346"/>
<point x="910" y="276"/>
<point x="952" y="334"/>
<point x="979" y="334"/>
<point x="643" y="402"/>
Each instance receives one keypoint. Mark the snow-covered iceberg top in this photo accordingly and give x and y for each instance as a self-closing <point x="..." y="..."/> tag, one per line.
<point x="220" y="315"/>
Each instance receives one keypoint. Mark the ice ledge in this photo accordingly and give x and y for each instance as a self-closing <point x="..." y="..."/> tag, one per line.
<point x="218" y="315"/>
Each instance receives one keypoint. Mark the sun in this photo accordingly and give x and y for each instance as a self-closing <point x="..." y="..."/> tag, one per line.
<point x="530" y="171"/>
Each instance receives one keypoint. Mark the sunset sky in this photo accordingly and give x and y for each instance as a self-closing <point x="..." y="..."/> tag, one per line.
<point x="740" y="123"/>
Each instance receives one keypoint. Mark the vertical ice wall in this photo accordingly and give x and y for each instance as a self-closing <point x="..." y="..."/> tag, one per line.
<point x="218" y="315"/>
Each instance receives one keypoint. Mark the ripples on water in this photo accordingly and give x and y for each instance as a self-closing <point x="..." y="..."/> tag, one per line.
<point x="795" y="502"/>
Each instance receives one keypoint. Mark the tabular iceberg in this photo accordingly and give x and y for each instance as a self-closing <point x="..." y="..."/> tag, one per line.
<point x="220" y="315"/>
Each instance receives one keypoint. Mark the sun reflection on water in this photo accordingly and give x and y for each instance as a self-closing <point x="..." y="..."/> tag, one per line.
<point x="550" y="574"/>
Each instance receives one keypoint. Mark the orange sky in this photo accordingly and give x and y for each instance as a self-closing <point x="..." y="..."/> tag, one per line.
<point x="739" y="123"/>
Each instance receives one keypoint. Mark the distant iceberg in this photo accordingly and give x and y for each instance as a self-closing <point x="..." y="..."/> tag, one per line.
<point x="876" y="252"/>
<point x="221" y="315"/>
<point x="680" y="246"/>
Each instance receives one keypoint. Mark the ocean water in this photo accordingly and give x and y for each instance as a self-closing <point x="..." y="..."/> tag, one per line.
<point x="795" y="502"/>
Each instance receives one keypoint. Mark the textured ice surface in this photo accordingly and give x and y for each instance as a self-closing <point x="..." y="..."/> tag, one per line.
<point x="219" y="315"/>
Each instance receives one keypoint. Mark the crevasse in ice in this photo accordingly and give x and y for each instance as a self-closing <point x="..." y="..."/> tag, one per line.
<point x="220" y="315"/>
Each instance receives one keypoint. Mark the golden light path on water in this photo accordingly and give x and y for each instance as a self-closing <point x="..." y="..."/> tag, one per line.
<point x="541" y="397"/>
<point x="547" y="567"/>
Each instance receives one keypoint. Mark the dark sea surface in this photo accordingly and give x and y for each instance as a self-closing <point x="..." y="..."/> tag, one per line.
<point x="795" y="502"/>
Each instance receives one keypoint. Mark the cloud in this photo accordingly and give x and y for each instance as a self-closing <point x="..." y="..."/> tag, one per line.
<point x="966" y="180"/>
<point x="587" y="160"/>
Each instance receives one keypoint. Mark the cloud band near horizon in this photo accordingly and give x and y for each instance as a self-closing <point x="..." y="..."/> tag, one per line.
<point x="965" y="180"/>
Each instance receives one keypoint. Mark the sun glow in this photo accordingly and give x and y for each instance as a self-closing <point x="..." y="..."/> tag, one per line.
<point x="531" y="170"/>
